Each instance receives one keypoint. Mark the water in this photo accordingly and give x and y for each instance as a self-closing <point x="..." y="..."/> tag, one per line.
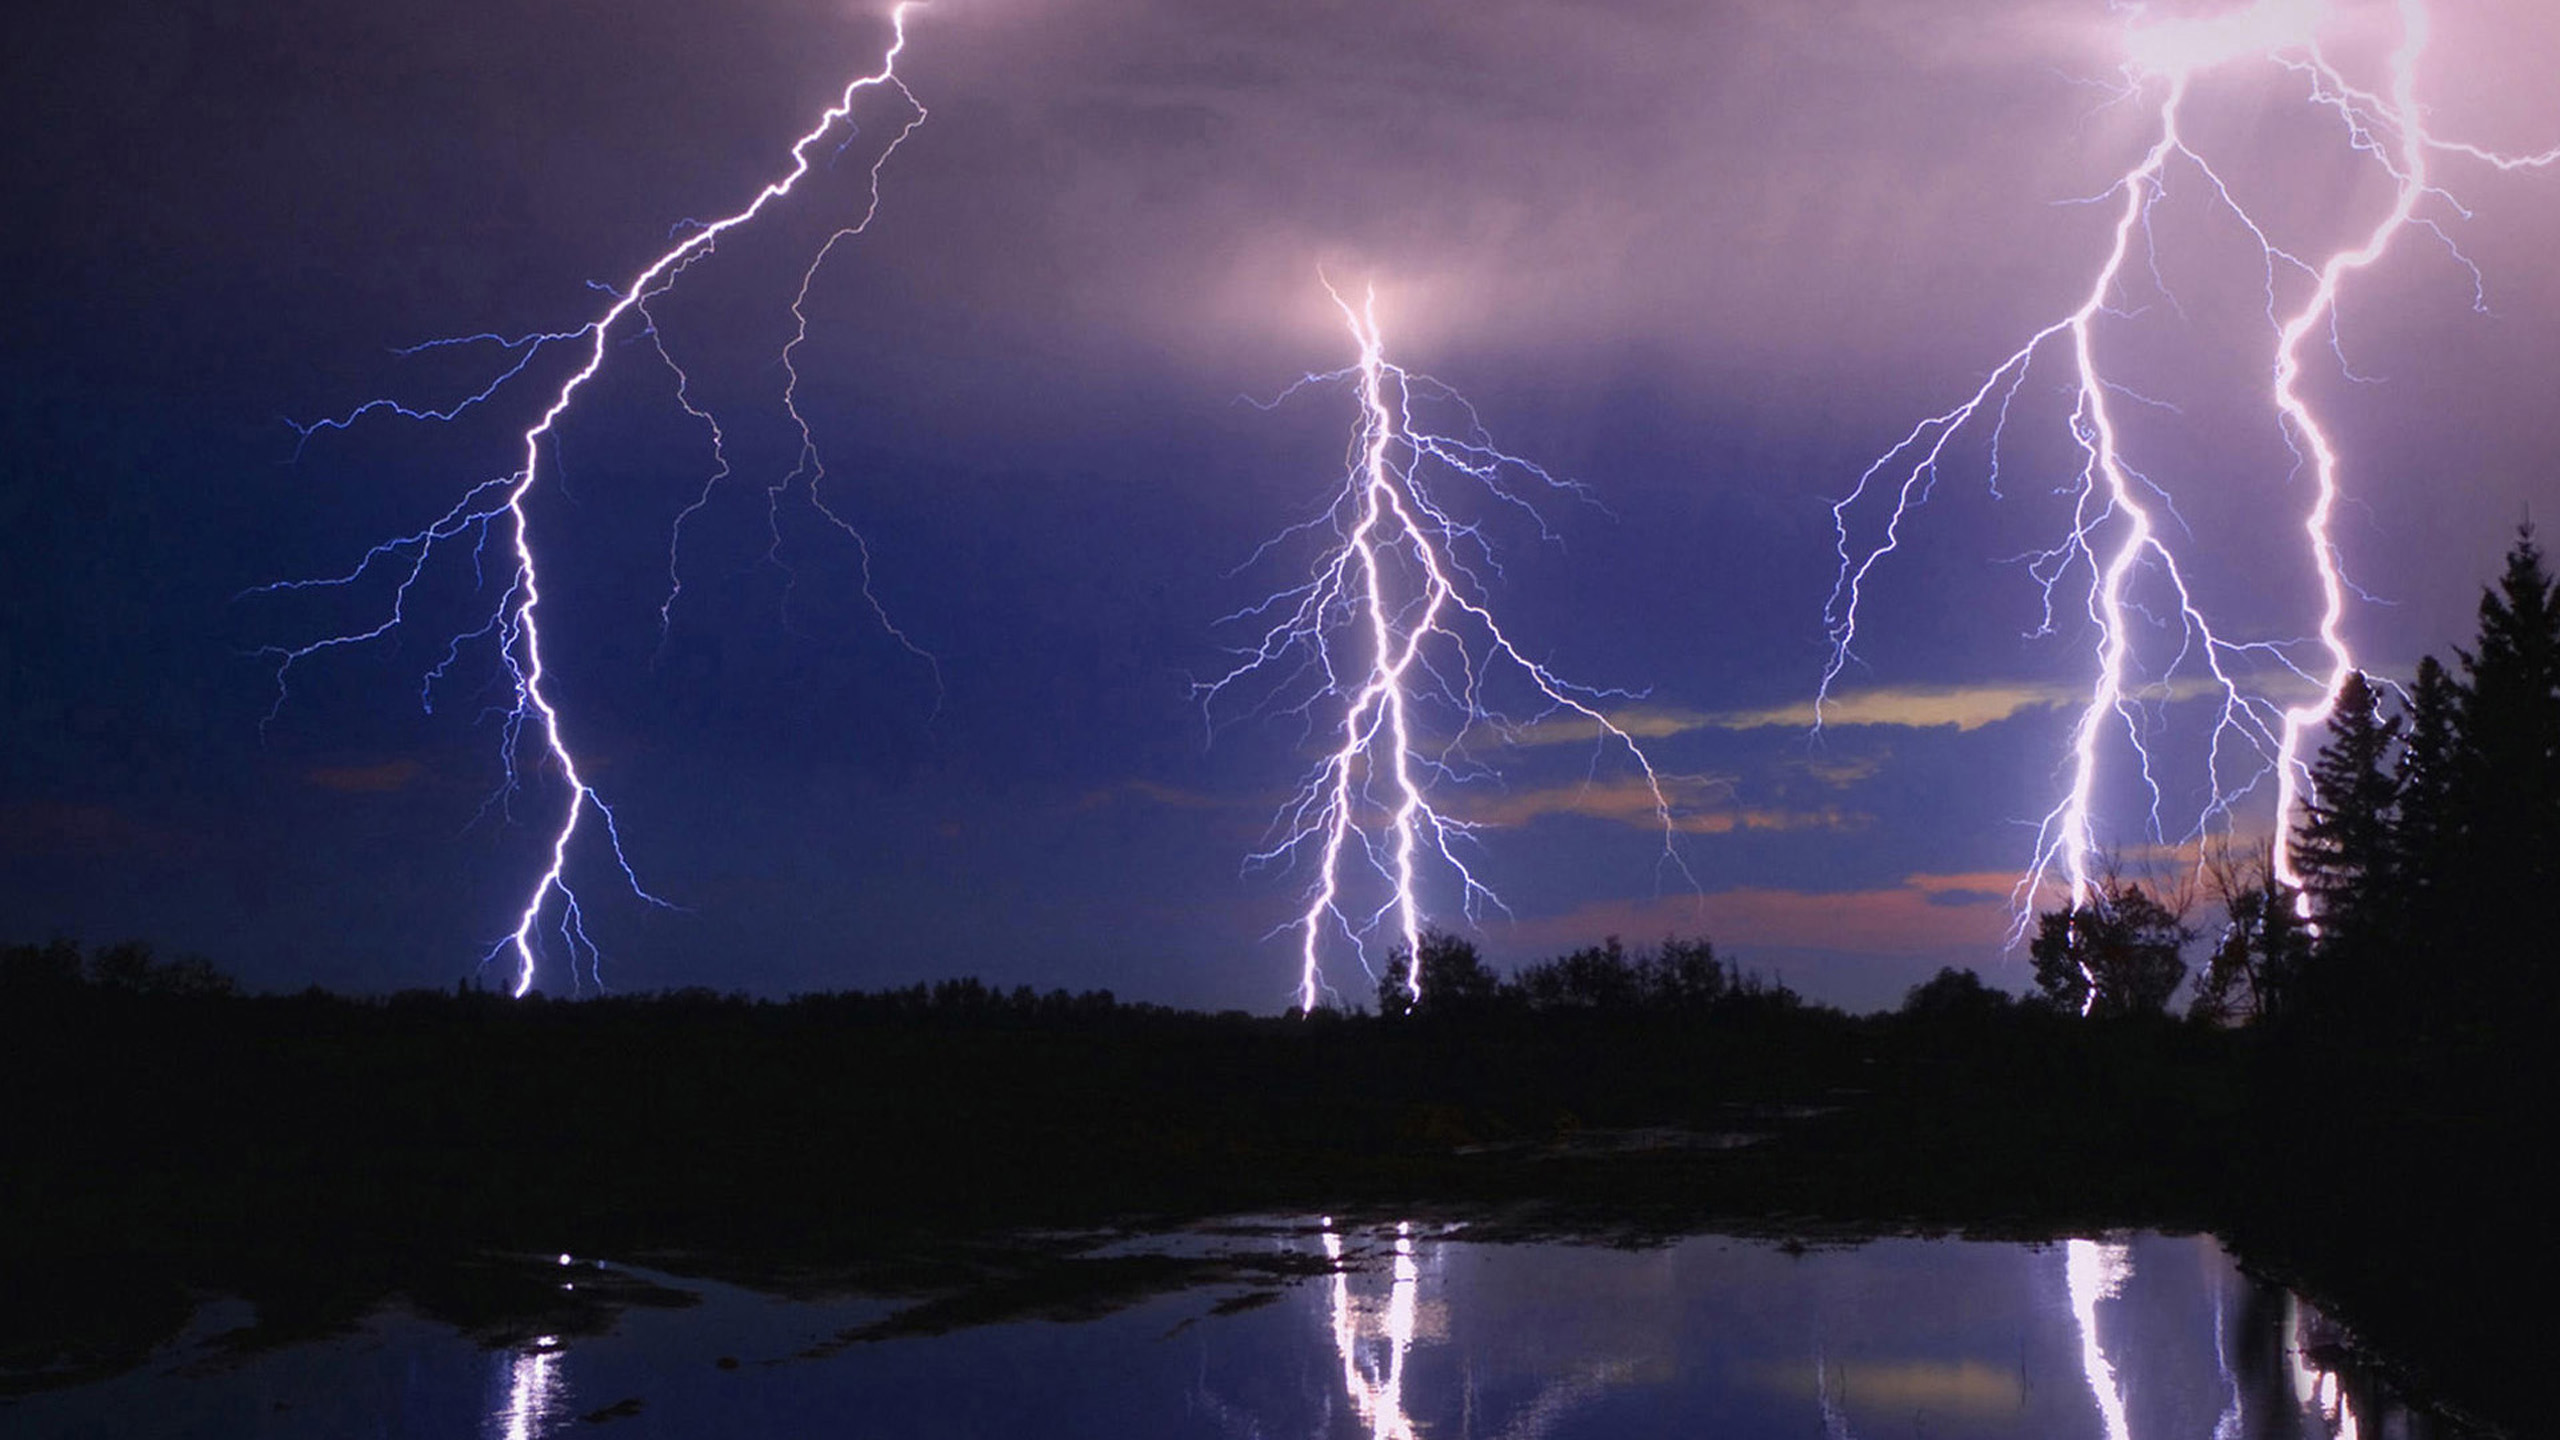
<point x="1423" y="1332"/>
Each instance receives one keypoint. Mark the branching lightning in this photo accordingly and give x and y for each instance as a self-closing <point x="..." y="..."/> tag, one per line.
<point x="2117" y="535"/>
<point x="1390" y="628"/>
<point x="495" y="509"/>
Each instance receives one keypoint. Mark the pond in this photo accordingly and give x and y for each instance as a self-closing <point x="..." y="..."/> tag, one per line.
<point x="1310" y="1329"/>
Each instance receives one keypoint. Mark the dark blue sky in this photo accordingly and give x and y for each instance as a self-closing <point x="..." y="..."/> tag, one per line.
<point x="1706" y="260"/>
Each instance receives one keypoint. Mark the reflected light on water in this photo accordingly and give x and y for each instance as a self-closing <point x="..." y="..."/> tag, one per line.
<point x="2320" y="1391"/>
<point x="1377" y="1393"/>
<point x="1835" y="1418"/>
<point x="2097" y="1272"/>
<point x="536" y="1393"/>
<point x="1563" y="1397"/>
<point x="1375" y="1344"/>
<point x="2100" y="1271"/>
<point x="2226" y="1426"/>
<point x="1414" y="1331"/>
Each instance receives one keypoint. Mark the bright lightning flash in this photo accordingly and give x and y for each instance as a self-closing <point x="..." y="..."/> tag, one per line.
<point x="496" y="509"/>
<point x="1390" y="628"/>
<point x="2116" y="535"/>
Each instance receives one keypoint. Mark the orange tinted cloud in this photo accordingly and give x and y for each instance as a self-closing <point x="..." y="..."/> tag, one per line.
<point x="1963" y="707"/>
<point x="1971" y="707"/>
<point x="1923" y="915"/>
<point x="1840" y="774"/>
<point x="1699" y="806"/>
<point x="1642" y="722"/>
<point x="1966" y="707"/>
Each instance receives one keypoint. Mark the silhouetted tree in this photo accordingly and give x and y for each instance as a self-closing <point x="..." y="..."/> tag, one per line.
<point x="2346" y="845"/>
<point x="50" y="968"/>
<point x="1454" y="980"/>
<point x="2257" y="966"/>
<point x="130" y="968"/>
<point x="2117" y="954"/>
<point x="191" y="977"/>
<point x="1685" y="975"/>
<point x="2505" y="849"/>
<point x="2430" y="851"/>
<point x="1954" y="996"/>
<point x="1596" y="977"/>
<point x="125" y="966"/>
<point x="2429" y="752"/>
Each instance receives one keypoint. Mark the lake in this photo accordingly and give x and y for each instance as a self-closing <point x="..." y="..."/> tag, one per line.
<point x="1306" y="1328"/>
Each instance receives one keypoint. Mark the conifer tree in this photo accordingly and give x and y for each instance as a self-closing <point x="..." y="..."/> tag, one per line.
<point x="2505" y="855"/>
<point x="2346" y="847"/>
<point x="2426" y="774"/>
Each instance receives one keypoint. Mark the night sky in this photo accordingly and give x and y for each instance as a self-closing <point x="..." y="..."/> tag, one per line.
<point x="1708" y="260"/>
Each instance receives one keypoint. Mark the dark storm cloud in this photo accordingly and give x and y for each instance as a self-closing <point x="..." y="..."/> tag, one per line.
<point x="1697" y="178"/>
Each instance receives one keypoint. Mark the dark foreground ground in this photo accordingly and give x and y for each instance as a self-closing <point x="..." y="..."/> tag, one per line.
<point x="319" y="1156"/>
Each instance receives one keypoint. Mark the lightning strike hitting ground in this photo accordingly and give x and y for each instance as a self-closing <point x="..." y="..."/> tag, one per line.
<point x="1390" y="628"/>
<point x="2116" y="534"/>
<point x="496" y="508"/>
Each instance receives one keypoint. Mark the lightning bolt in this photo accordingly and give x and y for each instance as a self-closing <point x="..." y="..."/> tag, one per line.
<point x="2116" y="536"/>
<point x="1390" y="626"/>
<point x="496" y="509"/>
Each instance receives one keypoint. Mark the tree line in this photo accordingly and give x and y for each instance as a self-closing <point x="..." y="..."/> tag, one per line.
<point x="1445" y="978"/>
<point x="2426" y="851"/>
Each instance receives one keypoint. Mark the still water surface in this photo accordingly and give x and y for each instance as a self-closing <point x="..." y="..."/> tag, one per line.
<point x="1421" y="1333"/>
